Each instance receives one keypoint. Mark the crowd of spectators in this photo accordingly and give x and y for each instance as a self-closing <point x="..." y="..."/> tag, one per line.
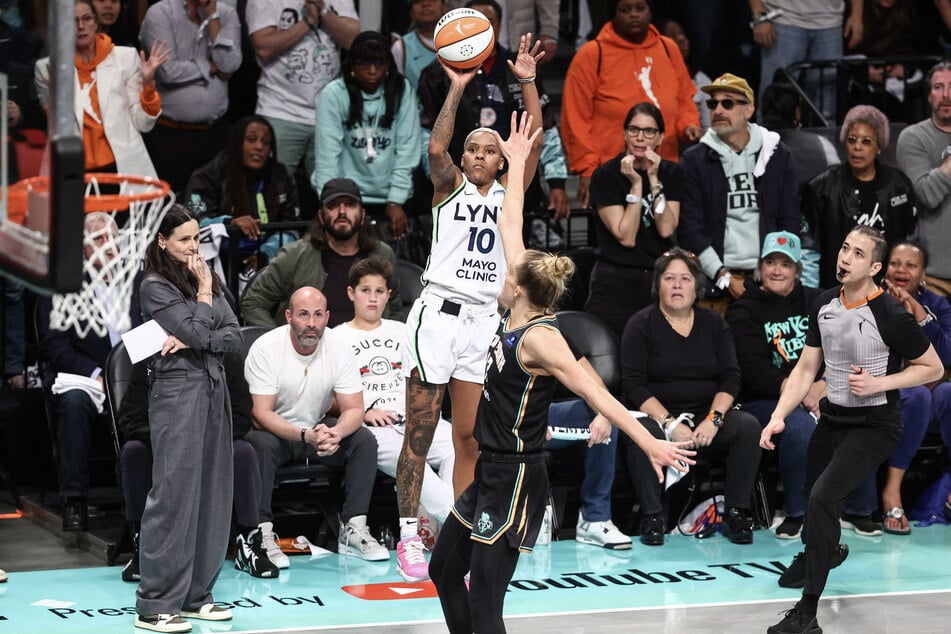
<point x="673" y="164"/>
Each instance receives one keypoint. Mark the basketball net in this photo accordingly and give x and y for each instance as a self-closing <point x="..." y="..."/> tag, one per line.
<point x="113" y="255"/>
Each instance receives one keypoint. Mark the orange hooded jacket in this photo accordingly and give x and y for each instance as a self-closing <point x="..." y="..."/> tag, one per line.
<point x="609" y="75"/>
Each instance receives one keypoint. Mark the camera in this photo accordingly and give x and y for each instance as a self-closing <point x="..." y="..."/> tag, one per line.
<point x="946" y="153"/>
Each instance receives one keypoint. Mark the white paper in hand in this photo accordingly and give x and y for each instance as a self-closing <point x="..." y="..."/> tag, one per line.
<point x="144" y="341"/>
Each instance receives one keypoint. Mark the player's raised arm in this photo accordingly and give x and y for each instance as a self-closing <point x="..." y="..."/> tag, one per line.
<point x="524" y="69"/>
<point x="442" y="171"/>
<point x="517" y="150"/>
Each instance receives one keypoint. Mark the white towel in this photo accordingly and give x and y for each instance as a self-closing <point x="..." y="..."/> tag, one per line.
<point x="65" y="382"/>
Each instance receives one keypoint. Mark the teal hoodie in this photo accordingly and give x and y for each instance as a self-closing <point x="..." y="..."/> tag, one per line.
<point x="381" y="169"/>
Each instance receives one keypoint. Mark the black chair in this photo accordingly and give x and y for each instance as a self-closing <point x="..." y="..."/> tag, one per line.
<point x="588" y="336"/>
<point x="579" y="284"/>
<point x="116" y="377"/>
<point x="326" y="480"/>
<point x="117" y="374"/>
<point x="408" y="274"/>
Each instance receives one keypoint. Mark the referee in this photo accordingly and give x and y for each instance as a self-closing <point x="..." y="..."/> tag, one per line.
<point x="871" y="347"/>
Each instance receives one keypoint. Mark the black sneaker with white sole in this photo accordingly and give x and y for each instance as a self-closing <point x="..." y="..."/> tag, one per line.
<point x="861" y="524"/>
<point x="130" y="572"/>
<point x="162" y="623"/>
<point x="251" y="557"/>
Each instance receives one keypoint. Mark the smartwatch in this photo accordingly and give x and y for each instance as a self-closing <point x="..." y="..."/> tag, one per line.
<point x="632" y="198"/>
<point x="717" y="418"/>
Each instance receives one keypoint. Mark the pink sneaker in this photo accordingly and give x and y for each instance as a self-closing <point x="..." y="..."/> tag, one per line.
<point x="410" y="561"/>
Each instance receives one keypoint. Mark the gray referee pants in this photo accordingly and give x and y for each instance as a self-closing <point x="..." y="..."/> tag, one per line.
<point x="187" y="515"/>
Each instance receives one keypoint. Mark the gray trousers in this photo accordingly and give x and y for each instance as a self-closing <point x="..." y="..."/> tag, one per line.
<point x="187" y="514"/>
<point x="357" y="454"/>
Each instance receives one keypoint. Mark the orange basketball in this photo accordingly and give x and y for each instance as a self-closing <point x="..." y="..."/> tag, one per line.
<point x="464" y="38"/>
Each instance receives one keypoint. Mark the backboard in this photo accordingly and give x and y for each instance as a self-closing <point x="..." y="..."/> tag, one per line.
<point x="44" y="248"/>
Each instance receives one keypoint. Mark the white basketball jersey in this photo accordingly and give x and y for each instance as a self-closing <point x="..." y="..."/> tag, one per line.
<point x="467" y="262"/>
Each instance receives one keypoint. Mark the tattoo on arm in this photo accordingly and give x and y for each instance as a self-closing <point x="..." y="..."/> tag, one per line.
<point x="442" y="170"/>
<point x="423" y="407"/>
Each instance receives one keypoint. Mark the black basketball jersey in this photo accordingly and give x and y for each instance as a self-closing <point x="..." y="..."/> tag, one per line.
<point x="513" y="412"/>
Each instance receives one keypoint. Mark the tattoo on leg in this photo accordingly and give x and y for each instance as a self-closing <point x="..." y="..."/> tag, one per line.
<point x="423" y="406"/>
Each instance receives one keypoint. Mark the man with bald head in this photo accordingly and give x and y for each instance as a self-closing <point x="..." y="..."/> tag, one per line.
<point x="294" y="372"/>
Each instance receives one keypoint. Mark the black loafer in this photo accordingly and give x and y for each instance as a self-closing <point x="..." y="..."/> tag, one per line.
<point x="738" y="525"/>
<point x="75" y="516"/>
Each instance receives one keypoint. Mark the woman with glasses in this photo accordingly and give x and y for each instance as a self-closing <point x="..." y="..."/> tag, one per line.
<point x="679" y="367"/>
<point x="116" y="100"/>
<point x="860" y="191"/>
<point x="637" y="197"/>
<point x="368" y="131"/>
<point x="629" y="61"/>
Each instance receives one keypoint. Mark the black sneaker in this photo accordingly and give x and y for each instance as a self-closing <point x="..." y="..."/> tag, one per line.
<point x="795" y="575"/>
<point x="796" y="622"/>
<point x="652" y="530"/>
<point x="130" y="572"/>
<point x="861" y="524"/>
<point x="251" y="557"/>
<point x="790" y="528"/>
<point x="738" y="525"/>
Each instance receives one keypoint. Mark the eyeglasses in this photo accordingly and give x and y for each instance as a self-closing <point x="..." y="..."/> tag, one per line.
<point x="649" y="133"/>
<point x="89" y="18"/>
<point x="726" y="103"/>
<point x="372" y="63"/>
<point x="865" y="140"/>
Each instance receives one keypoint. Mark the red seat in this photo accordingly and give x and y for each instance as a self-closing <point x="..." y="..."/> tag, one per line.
<point x="29" y="147"/>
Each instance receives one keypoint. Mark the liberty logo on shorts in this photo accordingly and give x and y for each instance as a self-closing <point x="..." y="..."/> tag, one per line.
<point x="485" y="523"/>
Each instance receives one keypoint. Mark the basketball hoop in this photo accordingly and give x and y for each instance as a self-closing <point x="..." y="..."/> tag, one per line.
<point x="113" y="255"/>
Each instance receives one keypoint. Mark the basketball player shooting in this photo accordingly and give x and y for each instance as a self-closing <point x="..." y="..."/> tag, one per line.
<point x="455" y="318"/>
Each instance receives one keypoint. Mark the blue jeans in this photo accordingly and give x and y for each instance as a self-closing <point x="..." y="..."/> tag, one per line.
<point x="795" y="44"/>
<point x="920" y="407"/>
<point x="599" y="460"/>
<point x="793" y="445"/>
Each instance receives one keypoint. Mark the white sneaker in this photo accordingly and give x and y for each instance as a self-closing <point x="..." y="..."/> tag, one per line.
<point x="208" y="612"/>
<point x="604" y="534"/>
<point x="355" y="539"/>
<point x="544" y="533"/>
<point x="269" y="543"/>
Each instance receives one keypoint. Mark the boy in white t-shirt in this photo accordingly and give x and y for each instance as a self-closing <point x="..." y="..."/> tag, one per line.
<point x="382" y="354"/>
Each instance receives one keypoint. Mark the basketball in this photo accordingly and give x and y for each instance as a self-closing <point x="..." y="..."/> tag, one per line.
<point x="464" y="38"/>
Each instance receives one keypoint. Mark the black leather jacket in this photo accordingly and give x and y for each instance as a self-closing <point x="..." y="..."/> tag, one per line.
<point x="830" y="209"/>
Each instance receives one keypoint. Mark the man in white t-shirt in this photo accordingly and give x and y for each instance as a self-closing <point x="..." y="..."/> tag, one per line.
<point x="380" y="349"/>
<point x="294" y="372"/>
<point x="297" y="44"/>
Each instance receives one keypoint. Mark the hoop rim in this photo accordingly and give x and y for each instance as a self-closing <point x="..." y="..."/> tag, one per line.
<point x="17" y="195"/>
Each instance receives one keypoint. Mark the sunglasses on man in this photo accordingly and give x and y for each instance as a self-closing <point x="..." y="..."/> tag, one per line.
<point x="727" y="103"/>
